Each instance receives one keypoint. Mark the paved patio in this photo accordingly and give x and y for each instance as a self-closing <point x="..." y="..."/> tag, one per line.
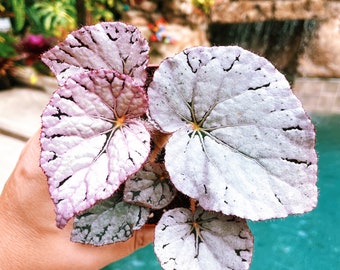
<point x="20" y="110"/>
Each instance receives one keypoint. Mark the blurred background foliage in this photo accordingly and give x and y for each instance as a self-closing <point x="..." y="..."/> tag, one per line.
<point x="55" y="18"/>
<point x="204" y="5"/>
<point x="58" y="17"/>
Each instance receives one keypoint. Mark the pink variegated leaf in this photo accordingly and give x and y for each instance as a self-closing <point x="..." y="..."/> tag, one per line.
<point x="108" y="45"/>
<point x="92" y="139"/>
<point x="242" y="144"/>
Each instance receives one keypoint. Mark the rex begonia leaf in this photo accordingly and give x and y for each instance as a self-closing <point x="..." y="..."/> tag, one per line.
<point x="108" y="45"/>
<point x="202" y="240"/>
<point x="241" y="143"/>
<point x="92" y="139"/>
<point x="109" y="221"/>
<point x="150" y="187"/>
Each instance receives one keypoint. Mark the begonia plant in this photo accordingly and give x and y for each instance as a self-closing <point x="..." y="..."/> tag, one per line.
<point x="211" y="138"/>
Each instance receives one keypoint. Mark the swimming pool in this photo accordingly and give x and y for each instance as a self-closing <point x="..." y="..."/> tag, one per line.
<point x="310" y="241"/>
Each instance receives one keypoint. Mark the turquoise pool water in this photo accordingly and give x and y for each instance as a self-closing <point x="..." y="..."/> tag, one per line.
<point x="305" y="242"/>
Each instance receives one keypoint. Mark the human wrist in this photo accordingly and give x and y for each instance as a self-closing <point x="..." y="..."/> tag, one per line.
<point x="13" y="244"/>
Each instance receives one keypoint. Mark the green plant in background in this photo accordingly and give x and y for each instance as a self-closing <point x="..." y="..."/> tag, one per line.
<point x="105" y="10"/>
<point x="55" y="18"/>
<point x="7" y="42"/>
<point x="7" y="58"/>
<point x="204" y="5"/>
<point x="99" y="10"/>
<point x="18" y="9"/>
<point x="59" y="17"/>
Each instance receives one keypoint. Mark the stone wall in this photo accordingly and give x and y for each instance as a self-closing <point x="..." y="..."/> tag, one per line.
<point x="314" y="26"/>
<point x="318" y="95"/>
<point x="182" y="23"/>
<point x="241" y="11"/>
<point x="281" y="42"/>
<point x="321" y="57"/>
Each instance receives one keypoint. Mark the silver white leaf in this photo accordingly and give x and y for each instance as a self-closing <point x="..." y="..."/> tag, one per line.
<point x="150" y="187"/>
<point x="242" y="143"/>
<point x="202" y="240"/>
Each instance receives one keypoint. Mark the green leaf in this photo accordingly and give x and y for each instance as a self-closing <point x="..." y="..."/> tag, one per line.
<point x="50" y="16"/>
<point x="110" y="221"/>
<point x="19" y="14"/>
<point x="7" y="49"/>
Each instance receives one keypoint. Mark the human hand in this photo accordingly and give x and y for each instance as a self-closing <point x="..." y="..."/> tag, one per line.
<point x="29" y="238"/>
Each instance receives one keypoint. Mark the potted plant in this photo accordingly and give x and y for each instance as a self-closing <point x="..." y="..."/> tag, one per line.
<point x="210" y="138"/>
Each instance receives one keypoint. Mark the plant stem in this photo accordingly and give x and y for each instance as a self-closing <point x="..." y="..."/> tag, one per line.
<point x="193" y="205"/>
